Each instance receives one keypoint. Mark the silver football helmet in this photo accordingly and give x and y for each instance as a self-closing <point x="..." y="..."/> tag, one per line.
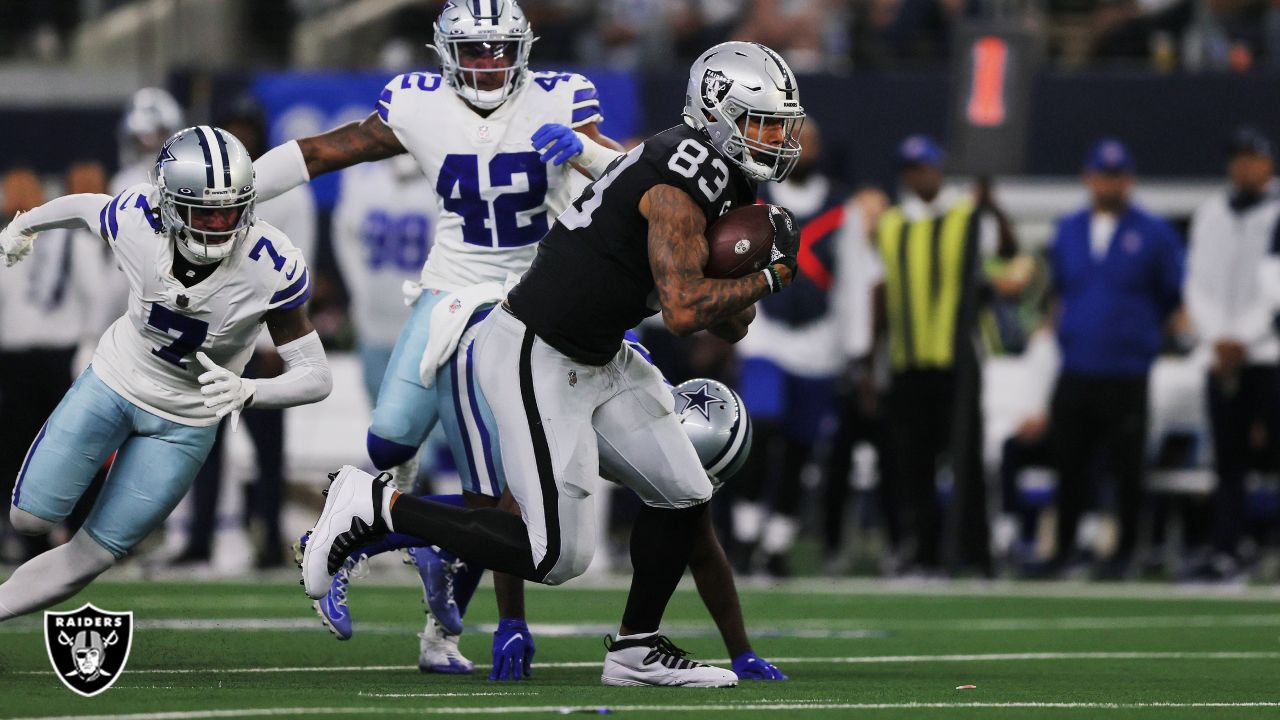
<point x="743" y="95"/>
<point x="469" y="31"/>
<point x="717" y="423"/>
<point x="151" y="116"/>
<point x="205" y="179"/>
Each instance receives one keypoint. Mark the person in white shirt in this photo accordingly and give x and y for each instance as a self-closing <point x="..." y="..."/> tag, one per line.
<point x="1232" y="235"/>
<point x="204" y="276"/>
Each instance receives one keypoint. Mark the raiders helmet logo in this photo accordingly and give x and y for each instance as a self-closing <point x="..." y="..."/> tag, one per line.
<point x="88" y="647"/>
<point x="714" y="87"/>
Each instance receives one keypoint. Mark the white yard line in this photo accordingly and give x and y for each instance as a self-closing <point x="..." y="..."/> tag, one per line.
<point x="851" y="660"/>
<point x="843" y="629"/>
<point x="725" y="707"/>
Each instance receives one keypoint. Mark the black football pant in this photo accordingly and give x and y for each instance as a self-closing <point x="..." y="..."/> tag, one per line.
<point x="855" y="424"/>
<point x="1092" y="415"/>
<point x="1235" y="409"/>
<point x="934" y="419"/>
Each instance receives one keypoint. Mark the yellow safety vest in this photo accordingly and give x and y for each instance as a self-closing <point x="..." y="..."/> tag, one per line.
<point x="924" y="282"/>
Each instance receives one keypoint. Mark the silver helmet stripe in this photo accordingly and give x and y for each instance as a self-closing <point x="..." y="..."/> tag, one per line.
<point x="730" y="453"/>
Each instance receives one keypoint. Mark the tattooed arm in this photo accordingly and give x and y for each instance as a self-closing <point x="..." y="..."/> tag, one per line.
<point x="287" y="166"/>
<point x="677" y="254"/>
<point x="350" y="144"/>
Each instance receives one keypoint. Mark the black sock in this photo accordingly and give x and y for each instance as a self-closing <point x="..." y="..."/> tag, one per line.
<point x="488" y="537"/>
<point x="661" y="541"/>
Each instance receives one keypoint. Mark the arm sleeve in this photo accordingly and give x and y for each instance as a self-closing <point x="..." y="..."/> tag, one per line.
<point x="585" y="102"/>
<point x="281" y="169"/>
<point x="595" y="158"/>
<point x="83" y="211"/>
<point x="306" y="378"/>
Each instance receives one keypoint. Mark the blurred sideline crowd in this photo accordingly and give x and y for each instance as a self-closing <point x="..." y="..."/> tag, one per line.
<point x="814" y="35"/>
<point x="869" y="382"/>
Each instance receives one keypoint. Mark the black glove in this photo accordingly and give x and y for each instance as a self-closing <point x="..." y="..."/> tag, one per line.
<point x="786" y="237"/>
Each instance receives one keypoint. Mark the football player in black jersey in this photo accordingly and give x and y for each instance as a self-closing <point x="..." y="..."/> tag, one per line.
<point x="559" y="380"/>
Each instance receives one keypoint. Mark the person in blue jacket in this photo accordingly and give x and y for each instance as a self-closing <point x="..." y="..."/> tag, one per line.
<point x="1117" y="277"/>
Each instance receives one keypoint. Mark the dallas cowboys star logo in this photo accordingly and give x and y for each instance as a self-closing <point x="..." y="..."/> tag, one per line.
<point x="699" y="399"/>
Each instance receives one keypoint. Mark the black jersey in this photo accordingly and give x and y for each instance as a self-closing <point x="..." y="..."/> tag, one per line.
<point x="590" y="281"/>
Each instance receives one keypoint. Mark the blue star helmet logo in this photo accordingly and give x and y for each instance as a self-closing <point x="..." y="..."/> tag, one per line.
<point x="699" y="399"/>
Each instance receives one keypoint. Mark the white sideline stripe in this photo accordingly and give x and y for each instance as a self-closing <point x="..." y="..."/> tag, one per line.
<point x="847" y="629"/>
<point x="564" y="710"/>
<point x="444" y="694"/>
<point x="854" y="660"/>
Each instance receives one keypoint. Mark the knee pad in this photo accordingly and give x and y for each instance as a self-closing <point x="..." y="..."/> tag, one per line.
<point x="386" y="454"/>
<point x="28" y="524"/>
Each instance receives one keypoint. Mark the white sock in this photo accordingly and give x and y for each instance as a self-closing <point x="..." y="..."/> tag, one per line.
<point x="779" y="534"/>
<point x="53" y="576"/>
<point x="747" y="519"/>
<point x="386" y="508"/>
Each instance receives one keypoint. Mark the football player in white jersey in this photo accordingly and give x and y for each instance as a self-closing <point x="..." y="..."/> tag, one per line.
<point x="470" y="129"/>
<point x="204" y="276"/>
<point x="497" y="143"/>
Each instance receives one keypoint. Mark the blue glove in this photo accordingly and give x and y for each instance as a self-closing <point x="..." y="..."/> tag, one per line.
<point x="557" y="143"/>
<point x="749" y="666"/>
<point x="512" y="650"/>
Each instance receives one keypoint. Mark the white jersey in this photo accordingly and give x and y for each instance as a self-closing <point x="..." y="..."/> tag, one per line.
<point x="381" y="233"/>
<point x="495" y="198"/>
<point x="148" y="354"/>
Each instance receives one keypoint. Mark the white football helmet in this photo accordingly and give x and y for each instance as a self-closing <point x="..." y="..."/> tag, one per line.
<point x="204" y="169"/>
<point x="469" y="29"/>
<point x="151" y="116"/>
<point x="717" y="423"/>
<point x="737" y="91"/>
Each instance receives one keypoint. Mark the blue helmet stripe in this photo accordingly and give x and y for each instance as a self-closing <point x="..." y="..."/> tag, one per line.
<point x="208" y="156"/>
<point x="226" y="161"/>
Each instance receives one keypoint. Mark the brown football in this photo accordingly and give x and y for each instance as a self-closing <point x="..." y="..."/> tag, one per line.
<point x="738" y="243"/>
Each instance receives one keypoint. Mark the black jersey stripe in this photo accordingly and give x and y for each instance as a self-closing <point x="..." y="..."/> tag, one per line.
<point x="542" y="458"/>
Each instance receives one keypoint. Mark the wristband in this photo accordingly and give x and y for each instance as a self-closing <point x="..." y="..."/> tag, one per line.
<point x="774" y="280"/>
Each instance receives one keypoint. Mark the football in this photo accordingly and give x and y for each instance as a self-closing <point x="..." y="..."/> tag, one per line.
<point x="738" y="243"/>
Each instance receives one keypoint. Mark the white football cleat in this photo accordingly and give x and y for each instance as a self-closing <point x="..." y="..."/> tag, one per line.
<point x="352" y="517"/>
<point x="438" y="651"/>
<point x="655" y="660"/>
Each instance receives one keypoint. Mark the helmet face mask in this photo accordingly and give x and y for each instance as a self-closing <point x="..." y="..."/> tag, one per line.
<point x="207" y="195"/>
<point x="484" y="57"/>
<point x="745" y="97"/>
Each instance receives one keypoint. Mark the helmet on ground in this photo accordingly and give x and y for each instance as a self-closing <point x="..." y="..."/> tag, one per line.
<point x="717" y="423"/>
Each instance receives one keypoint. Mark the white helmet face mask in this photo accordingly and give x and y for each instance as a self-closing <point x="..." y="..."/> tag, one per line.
<point x="206" y="183"/>
<point x="484" y="50"/>
<point x="745" y="97"/>
<point x="717" y="424"/>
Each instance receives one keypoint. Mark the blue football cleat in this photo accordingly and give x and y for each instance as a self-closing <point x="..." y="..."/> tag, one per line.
<point x="332" y="608"/>
<point x="438" y="568"/>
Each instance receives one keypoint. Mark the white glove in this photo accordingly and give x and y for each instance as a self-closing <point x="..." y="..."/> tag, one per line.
<point x="15" y="245"/>
<point x="225" y="391"/>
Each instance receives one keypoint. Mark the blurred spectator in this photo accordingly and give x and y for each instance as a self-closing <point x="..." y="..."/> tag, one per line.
<point x="1231" y="235"/>
<point x="293" y="212"/>
<point x="45" y="306"/>
<point x="898" y="32"/>
<point x="859" y="417"/>
<point x="632" y="34"/>
<point x="789" y="362"/>
<point x="1202" y="35"/>
<point x="810" y="34"/>
<point x="1117" y="277"/>
<point x="932" y="244"/>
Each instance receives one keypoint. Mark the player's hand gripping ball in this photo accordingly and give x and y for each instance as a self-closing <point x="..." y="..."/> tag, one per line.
<point x="750" y="238"/>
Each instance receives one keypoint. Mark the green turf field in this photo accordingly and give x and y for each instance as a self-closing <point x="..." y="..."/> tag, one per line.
<point x="215" y="650"/>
